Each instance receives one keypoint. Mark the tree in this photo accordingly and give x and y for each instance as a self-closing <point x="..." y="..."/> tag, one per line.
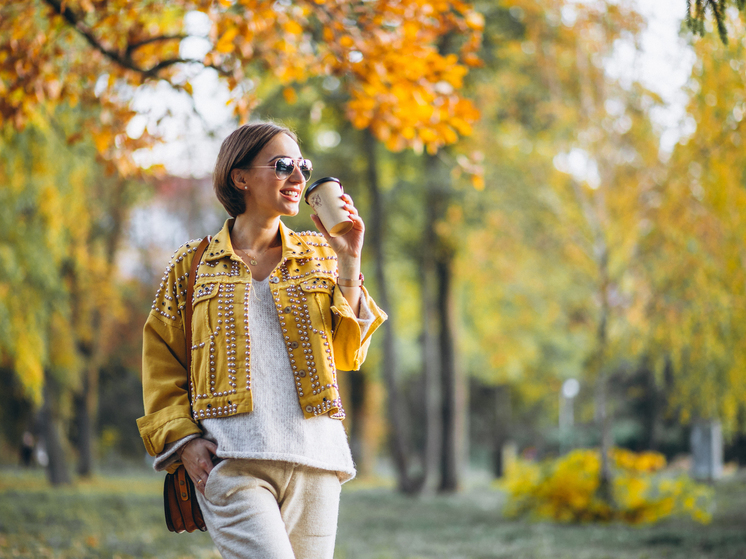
<point x="696" y="15"/>
<point x="694" y="253"/>
<point x="552" y="295"/>
<point x="99" y="52"/>
<point x="62" y="220"/>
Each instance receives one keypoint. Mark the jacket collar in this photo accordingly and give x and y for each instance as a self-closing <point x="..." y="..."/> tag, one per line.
<point x="293" y="245"/>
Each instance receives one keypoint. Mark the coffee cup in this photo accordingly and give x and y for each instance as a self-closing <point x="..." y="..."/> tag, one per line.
<point x="325" y="197"/>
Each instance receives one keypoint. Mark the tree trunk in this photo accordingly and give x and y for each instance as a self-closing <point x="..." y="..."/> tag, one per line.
<point x="601" y="255"/>
<point x="354" y="395"/>
<point x="438" y="255"/>
<point x="651" y="417"/>
<point x="602" y="412"/>
<point x="501" y="428"/>
<point x="431" y="371"/>
<point x="85" y="437"/>
<point x="398" y="435"/>
<point x="454" y="393"/>
<point x="51" y="429"/>
<point x="95" y="351"/>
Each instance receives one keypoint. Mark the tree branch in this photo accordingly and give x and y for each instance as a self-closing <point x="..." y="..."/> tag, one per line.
<point x="125" y="61"/>
<point x="134" y="46"/>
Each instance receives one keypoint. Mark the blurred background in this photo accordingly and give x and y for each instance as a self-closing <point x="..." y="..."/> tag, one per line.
<point x="553" y="192"/>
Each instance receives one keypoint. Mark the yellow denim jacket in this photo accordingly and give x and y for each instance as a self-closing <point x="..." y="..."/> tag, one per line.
<point x="320" y="329"/>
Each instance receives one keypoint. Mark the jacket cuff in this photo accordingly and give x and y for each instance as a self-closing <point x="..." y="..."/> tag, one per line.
<point x="166" y="426"/>
<point x="351" y="341"/>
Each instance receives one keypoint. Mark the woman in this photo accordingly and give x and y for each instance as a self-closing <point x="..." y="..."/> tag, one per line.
<point x="275" y="313"/>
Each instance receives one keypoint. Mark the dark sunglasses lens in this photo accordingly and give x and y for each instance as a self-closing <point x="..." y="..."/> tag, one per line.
<point x="306" y="168"/>
<point x="284" y="168"/>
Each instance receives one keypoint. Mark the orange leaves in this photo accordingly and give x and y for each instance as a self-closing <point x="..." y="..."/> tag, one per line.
<point x="345" y="41"/>
<point x="398" y="83"/>
<point x="292" y="27"/>
<point x="225" y="43"/>
<point x="291" y="97"/>
<point x="403" y="89"/>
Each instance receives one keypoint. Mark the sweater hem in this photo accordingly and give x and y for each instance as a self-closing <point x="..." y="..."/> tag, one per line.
<point x="344" y="474"/>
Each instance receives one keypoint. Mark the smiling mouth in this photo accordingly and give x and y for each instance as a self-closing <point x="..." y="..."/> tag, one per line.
<point x="294" y="194"/>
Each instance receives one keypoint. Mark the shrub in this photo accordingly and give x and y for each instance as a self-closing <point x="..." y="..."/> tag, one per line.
<point x="567" y="489"/>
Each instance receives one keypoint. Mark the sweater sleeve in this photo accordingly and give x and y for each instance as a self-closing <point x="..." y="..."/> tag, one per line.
<point x="365" y="318"/>
<point x="168" y="458"/>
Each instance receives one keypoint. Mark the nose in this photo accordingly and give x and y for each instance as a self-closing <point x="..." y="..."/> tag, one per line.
<point x="296" y="175"/>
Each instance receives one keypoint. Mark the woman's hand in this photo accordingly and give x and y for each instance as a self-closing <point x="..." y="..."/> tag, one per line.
<point x="349" y="246"/>
<point x="198" y="456"/>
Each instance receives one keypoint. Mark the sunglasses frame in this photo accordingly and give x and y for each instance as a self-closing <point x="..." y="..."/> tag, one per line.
<point x="294" y="163"/>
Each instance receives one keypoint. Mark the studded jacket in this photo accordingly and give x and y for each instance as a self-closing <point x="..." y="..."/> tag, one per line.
<point x="320" y="329"/>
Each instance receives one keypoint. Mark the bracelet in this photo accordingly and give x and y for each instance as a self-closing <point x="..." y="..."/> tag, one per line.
<point x="351" y="282"/>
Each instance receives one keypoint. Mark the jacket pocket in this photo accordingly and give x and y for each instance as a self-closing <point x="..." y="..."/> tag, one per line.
<point x="204" y="311"/>
<point x="318" y="292"/>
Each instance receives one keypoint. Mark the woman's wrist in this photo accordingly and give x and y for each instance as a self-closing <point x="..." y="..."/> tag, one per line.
<point x="182" y="448"/>
<point x="349" y="268"/>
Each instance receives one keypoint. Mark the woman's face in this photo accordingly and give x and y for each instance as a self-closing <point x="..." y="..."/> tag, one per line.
<point x="265" y="194"/>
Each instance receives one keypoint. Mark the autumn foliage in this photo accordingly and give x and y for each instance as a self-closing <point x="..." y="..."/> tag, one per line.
<point x="566" y="489"/>
<point x="402" y="63"/>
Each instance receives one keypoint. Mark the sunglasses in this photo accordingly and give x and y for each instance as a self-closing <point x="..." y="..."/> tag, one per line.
<point x="285" y="166"/>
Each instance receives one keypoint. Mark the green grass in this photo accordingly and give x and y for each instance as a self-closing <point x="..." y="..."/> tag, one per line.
<point x="121" y="517"/>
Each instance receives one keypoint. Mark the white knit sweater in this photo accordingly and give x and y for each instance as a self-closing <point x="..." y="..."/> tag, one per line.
<point x="276" y="428"/>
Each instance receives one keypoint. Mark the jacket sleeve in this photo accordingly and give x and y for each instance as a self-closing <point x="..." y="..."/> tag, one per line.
<point x="168" y="415"/>
<point x="350" y="348"/>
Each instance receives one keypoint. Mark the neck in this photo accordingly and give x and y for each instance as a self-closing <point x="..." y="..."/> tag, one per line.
<point x="253" y="234"/>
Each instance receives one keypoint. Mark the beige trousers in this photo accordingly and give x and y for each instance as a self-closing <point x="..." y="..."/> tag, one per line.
<point x="262" y="509"/>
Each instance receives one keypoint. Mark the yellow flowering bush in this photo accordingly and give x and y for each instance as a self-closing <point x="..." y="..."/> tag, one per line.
<point x="567" y="489"/>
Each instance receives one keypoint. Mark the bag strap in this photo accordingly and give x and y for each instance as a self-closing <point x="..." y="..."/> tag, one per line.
<point x="189" y="308"/>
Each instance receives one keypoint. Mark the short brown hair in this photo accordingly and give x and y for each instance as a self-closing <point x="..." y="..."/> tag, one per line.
<point x="237" y="152"/>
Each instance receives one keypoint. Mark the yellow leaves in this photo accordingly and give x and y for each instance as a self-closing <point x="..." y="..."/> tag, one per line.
<point x="290" y="95"/>
<point x="292" y="27"/>
<point x="566" y="490"/>
<point x="644" y="462"/>
<point x="28" y="360"/>
<point x="405" y="110"/>
<point x="62" y="346"/>
<point x="102" y="140"/>
<point x="225" y="43"/>
<point x="53" y="266"/>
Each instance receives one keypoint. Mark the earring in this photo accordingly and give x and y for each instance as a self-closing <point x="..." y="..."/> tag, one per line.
<point x="245" y="187"/>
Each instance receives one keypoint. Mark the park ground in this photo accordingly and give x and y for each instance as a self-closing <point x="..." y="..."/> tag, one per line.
<point x="120" y="516"/>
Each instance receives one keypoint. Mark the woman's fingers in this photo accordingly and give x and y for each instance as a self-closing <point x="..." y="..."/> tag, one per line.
<point x="351" y="209"/>
<point x="197" y="458"/>
<point x="349" y="204"/>
<point x="320" y="226"/>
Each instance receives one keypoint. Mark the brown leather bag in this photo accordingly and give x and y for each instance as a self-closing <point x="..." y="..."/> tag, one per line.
<point x="180" y="500"/>
<point x="182" y="508"/>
